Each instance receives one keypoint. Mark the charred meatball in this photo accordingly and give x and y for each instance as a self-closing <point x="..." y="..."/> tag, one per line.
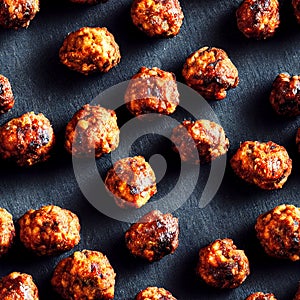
<point x="210" y="72"/>
<point x="84" y="275"/>
<point x="90" y="50"/>
<point x="154" y="293"/>
<point x="49" y="230"/>
<point x="278" y="231"/>
<point x="152" y="90"/>
<point x="157" y="18"/>
<point x="296" y="6"/>
<point x="285" y="95"/>
<point x="131" y="181"/>
<point x="90" y="2"/>
<point x="266" y="165"/>
<point x="200" y="141"/>
<point x="261" y="296"/>
<point x="27" y="140"/>
<point x="7" y="231"/>
<point x="7" y="99"/>
<point x="298" y="139"/>
<point x="92" y="131"/>
<point x="222" y="265"/>
<point x="18" y="286"/>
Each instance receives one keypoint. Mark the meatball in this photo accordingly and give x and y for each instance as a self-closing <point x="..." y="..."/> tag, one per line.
<point x="285" y="95"/>
<point x="7" y="231"/>
<point x="278" y="231"/>
<point x="153" y="237"/>
<point x="7" y="99"/>
<point x="157" y="18"/>
<point x="92" y="131"/>
<point x="49" y="230"/>
<point x="154" y="293"/>
<point x="131" y="181"/>
<point x="296" y="6"/>
<point x="17" y="13"/>
<point x="222" y="265"/>
<point x="266" y="165"/>
<point x="84" y="275"/>
<point x="210" y="72"/>
<point x="18" y="286"/>
<point x="90" y="2"/>
<point x="261" y="296"/>
<point x="298" y="139"/>
<point x="27" y="140"/>
<point x="152" y="90"/>
<point x="90" y="50"/>
<point x="202" y="137"/>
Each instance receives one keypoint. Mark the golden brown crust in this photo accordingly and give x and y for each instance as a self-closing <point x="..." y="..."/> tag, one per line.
<point x="154" y="293"/>
<point x="296" y="6"/>
<point x="298" y="139"/>
<point x="7" y="231"/>
<point x="261" y="296"/>
<point x="7" y="99"/>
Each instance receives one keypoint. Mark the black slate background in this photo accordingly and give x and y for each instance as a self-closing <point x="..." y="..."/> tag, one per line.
<point x="30" y="59"/>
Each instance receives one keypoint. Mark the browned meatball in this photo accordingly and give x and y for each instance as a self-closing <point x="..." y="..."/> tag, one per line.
<point x="278" y="231"/>
<point x="153" y="237"/>
<point x="152" y="90"/>
<point x="261" y="296"/>
<point x="18" y="286"/>
<point x="92" y="131"/>
<point x="27" y="140"/>
<point x="49" y="230"/>
<point x="266" y="165"/>
<point x="285" y="95"/>
<point x="131" y="181"/>
<point x="154" y="293"/>
<point x="17" y="13"/>
<point x="202" y="137"/>
<point x="159" y="18"/>
<point x="84" y="275"/>
<point x="296" y="6"/>
<point x="210" y="72"/>
<point x="7" y="99"/>
<point x="7" y="231"/>
<point x="90" y="50"/>
<point x="298" y="139"/>
<point x="222" y="265"/>
<point x="90" y="2"/>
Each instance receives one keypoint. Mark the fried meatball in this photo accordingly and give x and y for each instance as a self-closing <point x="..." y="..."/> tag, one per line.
<point x="266" y="165"/>
<point x="152" y="90"/>
<point x="298" y="139"/>
<point x="296" y="6"/>
<point x="154" y="293"/>
<point x="18" y="286"/>
<point x="261" y="296"/>
<point x="7" y="231"/>
<point x="7" y="99"/>
<point x="84" y="275"/>
<point x="27" y="140"/>
<point x="92" y="131"/>
<point x="222" y="265"/>
<point x="278" y="231"/>
<point x="90" y="2"/>
<point x="49" y="230"/>
<point x="202" y="137"/>
<point x="285" y="95"/>
<point x="131" y="181"/>
<point x="210" y="72"/>
<point x="89" y="50"/>
<point x="157" y="18"/>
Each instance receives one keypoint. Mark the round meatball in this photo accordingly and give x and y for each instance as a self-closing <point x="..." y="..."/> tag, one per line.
<point x="7" y="231"/>
<point x="278" y="231"/>
<point x="92" y="131"/>
<point x="154" y="293"/>
<point x="298" y="139"/>
<point x="222" y="265"/>
<point x="296" y="6"/>
<point x="199" y="141"/>
<point x="49" y="230"/>
<point x="157" y="18"/>
<point x="90" y="2"/>
<point x="285" y="95"/>
<point x="7" y="99"/>
<point x="18" y="286"/>
<point x="266" y="165"/>
<point x="131" y="181"/>
<point x="27" y="140"/>
<point x="84" y="275"/>
<point x="152" y="90"/>
<point x="261" y="296"/>
<point x="90" y="50"/>
<point x="210" y="72"/>
<point x="153" y="237"/>
<point x="17" y="13"/>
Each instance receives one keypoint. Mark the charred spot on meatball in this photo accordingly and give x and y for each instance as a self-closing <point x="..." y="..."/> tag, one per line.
<point x="7" y="231"/>
<point x="154" y="293"/>
<point x="261" y="296"/>
<point x="7" y="99"/>
<point x="296" y="6"/>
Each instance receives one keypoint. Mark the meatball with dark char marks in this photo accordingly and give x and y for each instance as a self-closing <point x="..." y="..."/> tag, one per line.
<point x="7" y="99"/>
<point x="296" y="6"/>
<point x="7" y="231"/>
<point x="154" y="293"/>
<point x="298" y="139"/>
<point x="261" y="296"/>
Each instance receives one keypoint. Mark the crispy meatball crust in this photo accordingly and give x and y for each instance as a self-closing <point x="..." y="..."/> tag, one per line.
<point x="154" y="293"/>
<point x="210" y="72"/>
<point x="222" y="265"/>
<point x="261" y="296"/>
<point x="18" y="286"/>
<point x="7" y="231"/>
<point x="285" y="95"/>
<point x="296" y="6"/>
<point x="278" y="231"/>
<point x="152" y="90"/>
<point x="27" y="140"/>
<point x="92" y="131"/>
<point x="153" y="237"/>
<point x="7" y="99"/>
<point x="208" y="137"/>
<point x="266" y="165"/>
<point x="298" y="140"/>
<point x="89" y="50"/>
<point x="157" y="18"/>
<point x="131" y="181"/>
<point x="85" y="275"/>
<point x="49" y="230"/>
